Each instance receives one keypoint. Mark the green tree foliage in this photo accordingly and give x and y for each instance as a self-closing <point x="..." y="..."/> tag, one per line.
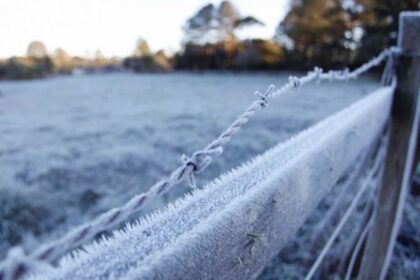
<point x="150" y="63"/>
<point x="37" y="49"/>
<point x="200" y="27"/>
<point x="227" y="17"/>
<point x="2" y="69"/>
<point x="258" y="54"/>
<point x="200" y="57"/>
<point x="62" y="61"/>
<point x="28" y="68"/>
<point x="334" y="33"/>
<point x="142" y="48"/>
<point x="213" y="24"/>
<point x="253" y="54"/>
<point x="143" y="60"/>
<point x="379" y="21"/>
<point x="211" y="43"/>
<point x="37" y="64"/>
<point x="320" y="32"/>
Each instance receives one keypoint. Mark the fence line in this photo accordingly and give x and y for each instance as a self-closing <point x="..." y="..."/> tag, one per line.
<point x="190" y="166"/>
<point x="234" y="226"/>
<point x="366" y="183"/>
<point x="404" y="124"/>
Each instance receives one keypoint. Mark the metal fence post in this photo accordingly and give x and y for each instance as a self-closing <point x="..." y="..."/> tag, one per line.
<point x="404" y="123"/>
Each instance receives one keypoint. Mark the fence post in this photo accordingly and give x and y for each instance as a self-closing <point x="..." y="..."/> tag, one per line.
<point x="404" y="123"/>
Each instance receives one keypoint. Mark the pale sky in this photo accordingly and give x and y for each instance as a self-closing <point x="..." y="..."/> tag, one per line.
<point x="82" y="26"/>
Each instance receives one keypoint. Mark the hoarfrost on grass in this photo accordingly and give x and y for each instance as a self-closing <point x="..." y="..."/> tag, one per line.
<point x="72" y="147"/>
<point x="303" y="168"/>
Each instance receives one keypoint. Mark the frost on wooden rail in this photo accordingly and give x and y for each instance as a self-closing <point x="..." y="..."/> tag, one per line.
<point x="233" y="226"/>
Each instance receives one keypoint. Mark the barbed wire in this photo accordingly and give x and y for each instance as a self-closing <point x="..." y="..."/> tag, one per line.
<point x="14" y="266"/>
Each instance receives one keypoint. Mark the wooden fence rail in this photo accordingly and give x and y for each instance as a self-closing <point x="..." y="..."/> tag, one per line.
<point x="233" y="227"/>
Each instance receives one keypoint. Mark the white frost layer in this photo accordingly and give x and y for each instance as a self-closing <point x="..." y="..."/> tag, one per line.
<point x="233" y="226"/>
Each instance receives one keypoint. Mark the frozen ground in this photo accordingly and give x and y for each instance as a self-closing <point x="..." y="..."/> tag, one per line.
<point x="72" y="147"/>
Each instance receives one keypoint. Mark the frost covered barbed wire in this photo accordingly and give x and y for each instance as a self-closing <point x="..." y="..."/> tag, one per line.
<point x="13" y="267"/>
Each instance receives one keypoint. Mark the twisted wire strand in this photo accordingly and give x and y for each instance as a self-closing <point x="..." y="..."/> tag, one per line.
<point x="190" y="166"/>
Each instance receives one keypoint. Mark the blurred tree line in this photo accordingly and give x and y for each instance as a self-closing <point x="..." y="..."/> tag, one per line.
<point x="326" y="33"/>
<point x="211" y="42"/>
<point x="143" y="60"/>
<point x="38" y="63"/>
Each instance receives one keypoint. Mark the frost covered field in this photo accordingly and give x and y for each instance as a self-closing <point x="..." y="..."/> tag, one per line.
<point x="72" y="147"/>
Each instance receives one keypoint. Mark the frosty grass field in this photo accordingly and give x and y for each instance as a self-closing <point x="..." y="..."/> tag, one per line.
<point x="72" y="147"/>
